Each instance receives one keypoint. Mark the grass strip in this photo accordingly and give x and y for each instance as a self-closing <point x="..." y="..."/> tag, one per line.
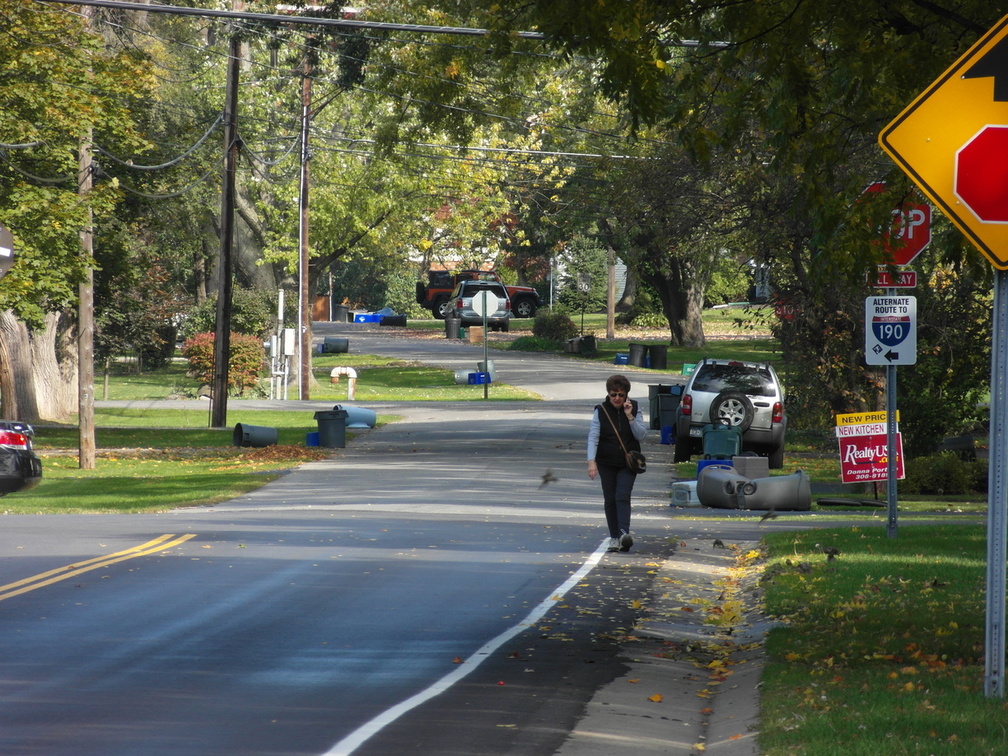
<point x="881" y="647"/>
<point x="154" y="480"/>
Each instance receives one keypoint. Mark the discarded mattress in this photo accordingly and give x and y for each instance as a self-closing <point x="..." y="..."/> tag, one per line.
<point x="721" y="487"/>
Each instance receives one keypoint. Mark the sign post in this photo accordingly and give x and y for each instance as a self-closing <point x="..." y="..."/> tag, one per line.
<point x="484" y="302"/>
<point x="953" y="143"/>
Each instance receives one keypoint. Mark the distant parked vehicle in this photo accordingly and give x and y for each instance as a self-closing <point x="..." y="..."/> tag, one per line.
<point x="747" y="395"/>
<point x="436" y="294"/>
<point x="20" y="467"/>
<point x="461" y="303"/>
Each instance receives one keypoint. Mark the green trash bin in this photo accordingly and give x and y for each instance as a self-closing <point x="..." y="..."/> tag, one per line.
<point x="721" y="441"/>
<point x="332" y="428"/>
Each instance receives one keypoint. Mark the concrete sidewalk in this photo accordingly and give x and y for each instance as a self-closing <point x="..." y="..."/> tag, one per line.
<point x="690" y="686"/>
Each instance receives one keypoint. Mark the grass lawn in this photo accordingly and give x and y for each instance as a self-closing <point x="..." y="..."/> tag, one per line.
<point x="880" y="650"/>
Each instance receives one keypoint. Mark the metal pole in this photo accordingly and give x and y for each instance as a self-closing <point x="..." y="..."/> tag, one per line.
<point x="997" y="496"/>
<point x="486" y="351"/>
<point x="891" y="450"/>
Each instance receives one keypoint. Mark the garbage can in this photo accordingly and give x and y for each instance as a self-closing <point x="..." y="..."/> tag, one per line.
<point x="340" y="313"/>
<point x="668" y="407"/>
<point x="721" y="441"/>
<point x="332" y="428"/>
<point x="451" y="327"/>
<point x="638" y="354"/>
<point x="335" y="345"/>
<point x="653" y="416"/>
<point x="255" y="436"/>
<point x="659" y="356"/>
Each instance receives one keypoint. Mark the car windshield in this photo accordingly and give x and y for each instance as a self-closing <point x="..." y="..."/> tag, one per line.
<point x="747" y="380"/>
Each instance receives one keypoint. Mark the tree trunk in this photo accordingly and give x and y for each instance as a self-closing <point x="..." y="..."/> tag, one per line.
<point x="682" y="303"/>
<point x="629" y="296"/>
<point x="38" y="369"/>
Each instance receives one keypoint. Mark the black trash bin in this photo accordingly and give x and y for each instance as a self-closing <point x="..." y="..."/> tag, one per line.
<point x="332" y="428"/>
<point x="668" y="407"/>
<point x="451" y="327"/>
<point x="340" y="313"/>
<point x="638" y="355"/>
<point x="335" y="345"/>
<point x="659" y="356"/>
<point x="653" y="392"/>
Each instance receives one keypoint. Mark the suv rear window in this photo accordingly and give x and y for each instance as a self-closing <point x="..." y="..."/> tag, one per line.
<point x="747" y="380"/>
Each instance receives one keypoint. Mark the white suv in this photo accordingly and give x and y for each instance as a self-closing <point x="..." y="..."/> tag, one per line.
<point x="744" y="394"/>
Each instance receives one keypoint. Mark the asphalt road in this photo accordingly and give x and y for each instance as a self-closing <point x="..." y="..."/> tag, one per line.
<point x="420" y="591"/>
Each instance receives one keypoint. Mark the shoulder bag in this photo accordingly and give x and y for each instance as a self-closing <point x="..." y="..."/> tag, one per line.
<point x="635" y="461"/>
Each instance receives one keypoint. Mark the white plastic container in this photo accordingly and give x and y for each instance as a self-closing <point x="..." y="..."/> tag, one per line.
<point x="684" y="494"/>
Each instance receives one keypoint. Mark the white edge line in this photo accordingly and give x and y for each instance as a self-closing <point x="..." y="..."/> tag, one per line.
<point x="369" y="729"/>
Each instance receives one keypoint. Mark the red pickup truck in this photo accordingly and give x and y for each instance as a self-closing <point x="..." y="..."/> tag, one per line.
<point x="434" y="294"/>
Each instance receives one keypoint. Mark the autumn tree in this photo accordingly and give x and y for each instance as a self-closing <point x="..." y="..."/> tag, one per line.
<point x="58" y="83"/>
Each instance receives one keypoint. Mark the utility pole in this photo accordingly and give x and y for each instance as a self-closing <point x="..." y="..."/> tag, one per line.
<point x="304" y="300"/>
<point x="85" y="308"/>
<point x="222" y="337"/>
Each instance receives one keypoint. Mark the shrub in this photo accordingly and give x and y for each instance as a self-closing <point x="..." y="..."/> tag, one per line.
<point x="252" y="312"/>
<point x="554" y="326"/>
<point x="245" y="363"/>
<point x="535" y="344"/>
<point x="943" y="473"/>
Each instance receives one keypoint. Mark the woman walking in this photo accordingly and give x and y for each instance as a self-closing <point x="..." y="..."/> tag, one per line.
<point x="607" y="460"/>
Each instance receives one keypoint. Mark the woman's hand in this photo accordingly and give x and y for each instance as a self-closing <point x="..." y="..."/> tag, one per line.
<point x="592" y="469"/>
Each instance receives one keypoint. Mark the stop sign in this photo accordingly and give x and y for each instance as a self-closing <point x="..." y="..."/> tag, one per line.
<point x="981" y="174"/>
<point x="6" y="250"/>
<point x="910" y="230"/>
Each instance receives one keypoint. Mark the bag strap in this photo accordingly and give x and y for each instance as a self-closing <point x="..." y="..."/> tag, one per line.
<point x="612" y="422"/>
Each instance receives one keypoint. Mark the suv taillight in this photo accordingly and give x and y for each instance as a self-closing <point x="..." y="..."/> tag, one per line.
<point x="778" y="412"/>
<point x="686" y="405"/>
<point x="13" y="438"/>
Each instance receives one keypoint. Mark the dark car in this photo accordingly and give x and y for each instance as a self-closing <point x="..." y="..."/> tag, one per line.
<point x="747" y="395"/>
<point x="20" y="467"/>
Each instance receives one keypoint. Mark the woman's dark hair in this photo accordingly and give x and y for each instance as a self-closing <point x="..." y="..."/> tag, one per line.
<point x="617" y="383"/>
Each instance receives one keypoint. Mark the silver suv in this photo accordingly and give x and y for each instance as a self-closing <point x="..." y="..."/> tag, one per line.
<point x="461" y="304"/>
<point x="744" y="394"/>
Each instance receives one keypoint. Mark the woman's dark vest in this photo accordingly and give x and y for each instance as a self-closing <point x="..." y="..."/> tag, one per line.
<point x="609" y="450"/>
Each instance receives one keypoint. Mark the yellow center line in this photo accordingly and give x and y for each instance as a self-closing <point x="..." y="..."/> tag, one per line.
<point x="159" y="544"/>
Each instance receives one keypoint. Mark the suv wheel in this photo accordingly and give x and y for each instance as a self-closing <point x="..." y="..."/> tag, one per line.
<point x="775" y="460"/>
<point x="524" y="308"/>
<point x="733" y="408"/>
<point x="441" y="308"/>
<point x="681" y="453"/>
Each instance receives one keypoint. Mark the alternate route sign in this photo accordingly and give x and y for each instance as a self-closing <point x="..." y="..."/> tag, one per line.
<point x="952" y="140"/>
<point x="891" y="330"/>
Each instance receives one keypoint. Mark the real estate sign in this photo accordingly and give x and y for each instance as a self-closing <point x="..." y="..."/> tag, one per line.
<point x="864" y="448"/>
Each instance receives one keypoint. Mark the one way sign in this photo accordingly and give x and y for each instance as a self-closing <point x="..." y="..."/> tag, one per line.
<point x="891" y="330"/>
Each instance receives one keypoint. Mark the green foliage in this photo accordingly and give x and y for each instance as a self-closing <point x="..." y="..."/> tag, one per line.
<point x="245" y="363"/>
<point x="583" y="259"/>
<point x="252" y="312"/>
<point x="535" y="344"/>
<point x="553" y="326"/>
<point x="944" y="473"/>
